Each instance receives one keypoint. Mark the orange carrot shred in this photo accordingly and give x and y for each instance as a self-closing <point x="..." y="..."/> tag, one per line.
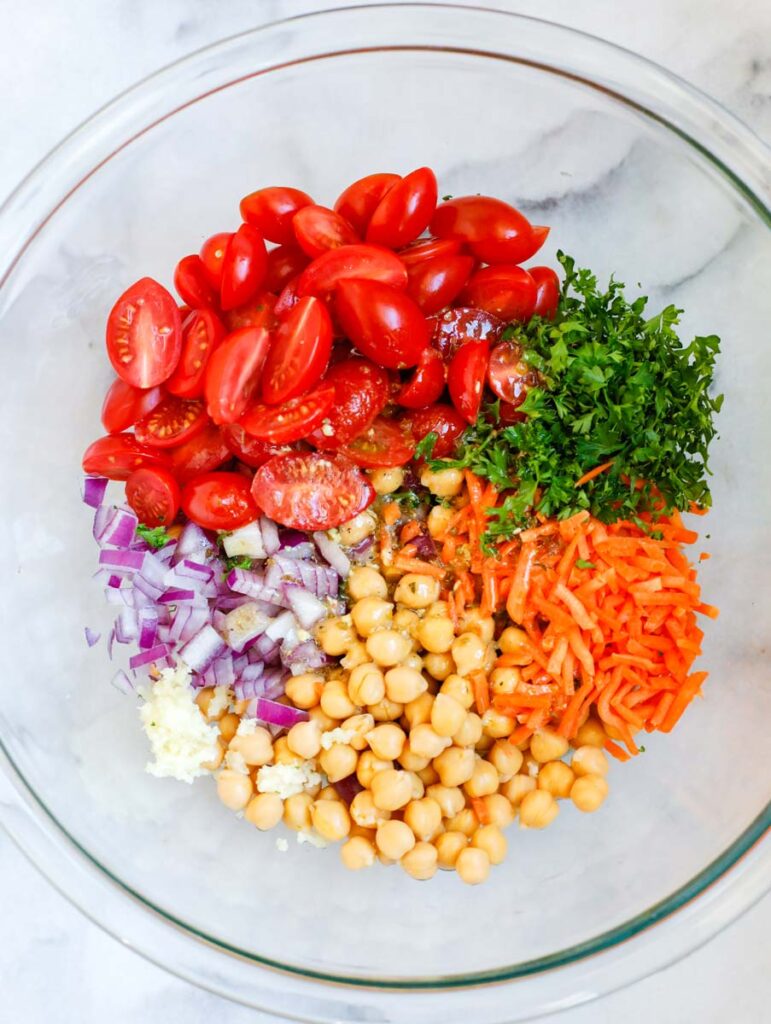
<point x="593" y="473"/>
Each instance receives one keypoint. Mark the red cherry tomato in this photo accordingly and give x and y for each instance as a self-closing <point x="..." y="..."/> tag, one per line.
<point x="364" y="262"/>
<point x="219" y="501"/>
<point x="204" y="452"/>
<point x="212" y="255"/>
<point x="172" y="422"/>
<point x="153" y="493"/>
<point x="118" y="455"/>
<point x="361" y="392"/>
<point x="435" y="283"/>
<point x="260" y="312"/>
<point x="284" y="263"/>
<point x="124" y="405"/>
<point x="287" y="300"/>
<point x="426" y="384"/>
<point x="233" y="373"/>
<point x="383" y="443"/>
<point x="270" y="210"/>
<point x="405" y="210"/>
<point x="248" y="449"/>
<point x="508" y="292"/>
<point x="383" y="323"/>
<point x="192" y="283"/>
<point x="439" y="419"/>
<point x="300" y="352"/>
<point x="457" y="326"/>
<point x="547" y="286"/>
<point x="202" y="332"/>
<point x="243" y="267"/>
<point x="318" y="229"/>
<point x="291" y="421"/>
<point x="359" y="201"/>
<point x="425" y="249"/>
<point x="311" y="490"/>
<point x="144" y="334"/>
<point x="495" y="231"/>
<point x="508" y="374"/>
<point x="466" y="378"/>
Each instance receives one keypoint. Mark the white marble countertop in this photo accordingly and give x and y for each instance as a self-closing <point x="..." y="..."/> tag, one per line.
<point x="59" y="62"/>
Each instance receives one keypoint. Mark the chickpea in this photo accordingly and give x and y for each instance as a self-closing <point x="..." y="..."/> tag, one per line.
<point x="369" y="766"/>
<point x="406" y="621"/>
<point x="421" y="861"/>
<point x="364" y="581"/>
<point x="444" y="483"/>
<point x="483" y="744"/>
<point x="338" y="762"/>
<point x="497" y="725"/>
<point x="484" y="780"/>
<point x="436" y="634"/>
<point x="588" y="792"/>
<point x="514" y="642"/>
<point x="548" y="745"/>
<point x="364" y="812"/>
<point x="304" y="690"/>
<point x="355" y="656"/>
<point x="439" y="519"/>
<point x="234" y="789"/>
<point x="388" y="648"/>
<point x="391" y="789"/>
<point x="470" y="732"/>
<point x="229" y="723"/>
<point x="256" y="747"/>
<point x="418" y="711"/>
<point x="264" y="810"/>
<point x="438" y="610"/>
<point x="538" y="809"/>
<point x="304" y="739"/>
<point x="411" y="761"/>
<point x="413" y="661"/>
<point x="472" y="865"/>
<point x="204" y="699"/>
<point x="239" y="706"/>
<point x="499" y="810"/>
<point x="447" y="715"/>
<point x="394" y="838"/>
<point x="386" y="710"/>
<point x="468" y="653"/>
<point x="475" y="622"/>
<point x="417" y="789"/>
<point x="490" y="839"/>
<point x="530" y="766"/>
<point x="369" y="614"/>
<point x="591" y="734"/>
<point x="322" y="719"/>
<point x="404" y="684"/>
<point x="505" y="680"/>
<point x="439" y="666"/>
<point x="429" y="776"/>
<point x="506" y="759"/>
<point x="297" y="811"/>
<point x="328" y="793"/>
<point x="357" y="853"/>
<point x="459" y="688"/>
<point x="282" y="754"/>
<point x="424" y="816"/>
<point x="366" y="684"/>
<point x="455" y="765"/>
<point x="358" y="830"/>
<point x="216" y="761"/>
<point x="357" y="529"/>
<point x="386" y="481"/>
<point x="417" y="591"/>
<point x="335" y="636"/>
<point x="387" y="741"/>
<point x="331" y="819"/>
<point x="335" y="701"/>
<point x="450" y="799"/>
<point x="517" y="788"/>
<point x="448" y="846"/>
<point x="425" y="742"/>
<point x="360" y="726"/>
<point x="589" y="760"/>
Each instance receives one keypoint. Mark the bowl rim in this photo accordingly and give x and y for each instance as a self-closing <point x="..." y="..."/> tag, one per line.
<point x="740" y="156"/>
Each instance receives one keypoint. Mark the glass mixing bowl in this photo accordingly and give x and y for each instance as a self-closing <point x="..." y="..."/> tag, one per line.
<point x="637" y="174"/>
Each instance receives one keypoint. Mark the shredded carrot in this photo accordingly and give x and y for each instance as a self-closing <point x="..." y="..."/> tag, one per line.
<point x="391" y="513"/>
<point x="592" y="474"/>
<point x="410" y="531"/>
<point x="416" y="565"/>
<point x="479" y="807"/>
<point x="481" y="691"/>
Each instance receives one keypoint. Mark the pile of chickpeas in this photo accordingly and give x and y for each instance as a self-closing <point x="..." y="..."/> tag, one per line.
<point x="437" y="783"/>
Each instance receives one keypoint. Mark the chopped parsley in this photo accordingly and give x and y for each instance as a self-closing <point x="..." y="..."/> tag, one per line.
<point x="238" y="562"/>
<point x="581" y="563"/>
<point x="405" y="498"/>
<point x="424" y="449"/>
<point x="155" y="536"/>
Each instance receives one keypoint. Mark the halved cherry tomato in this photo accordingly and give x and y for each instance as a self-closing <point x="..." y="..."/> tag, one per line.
<point x="508" y="292"/>
<point x="270" y="210"/>
<point x="364" y="262"/>
<point x="426" y="384"/>
<point x="435" y="283"/>
<point x="359" y="201"/>
<point x="284" y="263"/>
<point x="288" y="298"/>
<point x="219" y="501"/>
<point x="425" y="249"/>
<point x="291" y="421"/>
<point x="212" y="255"/>
<point x="466" y="378"/>
<point x="439" y="419"/>
<point x="259" y="312"/>
<point x="202" y="332"/>
<point x="361" y="392"/>
<point x="382" y="322"/>
<point x="300" y="352"/>
<point x="153" y="493"/>
<point x="383" y="443"/>
<point x="203" y="453"/>
<point x="192" y="283"/>
<point x="311" y="490"/>
<point x="508" y="375"/>
<point x="144" y="334"/>
<point x="494" y="230"/>
<point x="457" y="326"/>
<point x="172" y="422"/>
<point x="547" y="286"/>
<point x="124" y="405"/>
<point x="118" y="455"/>
<point x="233" y="373"/>
<point x="243" y="267"/>
<point x="405" y="210"/>
<point x="318" y="229"/>
<point x="248" y="449"/>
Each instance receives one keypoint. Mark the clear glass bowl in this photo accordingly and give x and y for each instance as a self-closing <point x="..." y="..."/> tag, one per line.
<point x="639" y="175"/>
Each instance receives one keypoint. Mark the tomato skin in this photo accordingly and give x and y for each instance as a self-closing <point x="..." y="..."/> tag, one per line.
<point x="456" y="326"/>
<point x="364" y="262"/>
<point x="153" y="493"/>
<point x="508" y="292"/>
<point x="243" y="267"/>
<point x="383" y="443"/>
<point x="233" y="373"/>
<point x="287" y="300"/>
<point x="405" y="210"/>
<point x="435" y="283"/>
<point x="144" y="334"/>
<point x="466" y="378"/>
<point x="202" y="332"/>
<point x="219" y="501"/>
<point x="359" y="201"/>
<point x="311" y="490"/>
<point x="271" y="210"/>
<point x="123" y="405"/>
<point x="426" y="384"/>
<point x="547" y="285"/>
<point x="361" y="392"/>
<point x="300" y="352"/>
<point x="318" y="229"/>
<point x="284" y="263"/>
<point x="248" y="449"/>
<point x="173" y="421"/>
<point x="292" y="420"/>
<point x="212" y="255"/>
<point x="509" y="376"/>
<point x="204" y="452"/>
<point x="494" y="230"/>
<point x="116" y="456"/>
<point x="193" y="285"/>
<point x="382" y="322"/>
<point x="259" y="312"/>
<point x="424" y="249"/>
<point x="440" y="419"/>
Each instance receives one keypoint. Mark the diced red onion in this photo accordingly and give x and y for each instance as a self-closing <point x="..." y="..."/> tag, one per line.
<point x="119" y="530"/>
<point x="177" y="597"/>
<point x="110" y="642"/>
<point x="252" y="672"/>
<point x="243" y="625"/>
<point x="92" y="637"/>
<point x="126" y="626"/>
<point x="270" y="537"/>
<point x="201" y="650"/>
<point x="280" y="626"/>
<point x="166" y="553"/>
<point x="192" y="542"/>
<point x="122" y="561"/>
<point x="199" y="617"/>
<point x="148" y="628"/>
<point x="143" y="586"/>
<point x="224" y="674"/>
<point x="304" y="657"/>
<point x="194" y="570"/>
<point x="279" y="714"/>
<point x="307" y="608"/>
<point x="425" y="547"/>
<point x="263" y="649"/>
<point x="94" y="488"/>
<point x="333" y="553"/>
<point x="158" y="653"/>
<point x="243" y="581"/>
<point x="240" y="663"/>
<point x="347" y="788"/>
<point x="361" y="551"/>
<point x="122" y="683"/>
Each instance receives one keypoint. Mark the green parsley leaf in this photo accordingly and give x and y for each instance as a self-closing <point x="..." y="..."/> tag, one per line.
<point x="407" y="498"/>
<point x="155" y="536"/>
<point x="583" y="564"/>
<point x="445" y="198"/>
<point x="238" y="562"/>
<point x="425" y="447"/>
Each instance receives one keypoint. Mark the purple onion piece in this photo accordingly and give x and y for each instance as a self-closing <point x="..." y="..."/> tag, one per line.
<point x="333" y="553"/>
<point x="425" y="547"/>
<point x="201" y="650"/>
<point x="122" y="683"/>
<point x="159" y="653"/>
<point x="270" y="537"/>
<point x="361" y="551"/>
<point x="347" y="788"/>
<point x="279" y="714"/>
<point x="177" y="597"/>
<point x="94" y="488"/>
<point x="92" y="637"/>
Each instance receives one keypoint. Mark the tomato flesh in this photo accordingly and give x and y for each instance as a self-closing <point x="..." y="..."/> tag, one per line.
<point x="248" y="449"/>
<point x="547" y="285"/>
<point x="192" y="283"/>
<point x="426" y="384"/>
<point x="425" y="249"/>
<point x="405" y="210"/>
<point x="291" y="421"/>
<point x="364" y="262"/>
<point x="271" y="210"/>
<point x="311" y="490"/>
<point x="383" y="443"/>
<point x="359" y="201"/>
<point x="436" y="283"/>
<point x="382" y="322"/>
<point x="318" y="229"/>
<point x="454" y="328"/>
<point x="509" y="376"/>
<point x="118" y="455"/>
<point x="233" y="373"/>
<point x="495" y="231"/>
<point x="219" y="501"/>
<point x="202" y="332"/>
<point x="361" y="392"/>
<point x="212" y="256"/>
<point x="284" y="263"/>
<point x="243" y="267"/>
<point x="441" y="420"/>
<point x="202" y="453"/>
<point x="153" y="493"/>
<point x="508" y="292"/>
<point x="260" y="312"/>
<point x="144" y="334"/>
<point x="123" y="405"/>
<point x="300" y="352"/>
<point x="466" y="378"/>
<point x="172" y="422"/>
